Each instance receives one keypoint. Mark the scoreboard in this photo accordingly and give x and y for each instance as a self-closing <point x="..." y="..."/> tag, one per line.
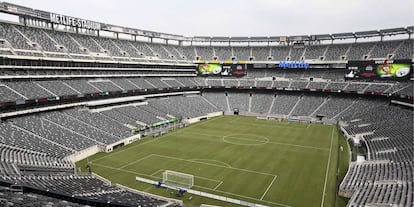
<point x="379" y="69"/>
<point x="216" y="69"/>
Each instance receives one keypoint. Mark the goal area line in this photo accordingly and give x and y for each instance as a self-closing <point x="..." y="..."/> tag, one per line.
<point x="156" y="175"/>
<point x="219" y="182"/>
<point x="213" y="196"/>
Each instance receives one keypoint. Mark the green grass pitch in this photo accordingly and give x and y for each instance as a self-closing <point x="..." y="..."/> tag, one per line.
<point x="266" y="162"/>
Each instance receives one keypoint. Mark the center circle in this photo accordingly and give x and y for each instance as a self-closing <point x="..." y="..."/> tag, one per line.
<point x="245" y="139"/>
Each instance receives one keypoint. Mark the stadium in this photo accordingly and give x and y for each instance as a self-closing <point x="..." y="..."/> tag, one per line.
<point x="96" y="114"/>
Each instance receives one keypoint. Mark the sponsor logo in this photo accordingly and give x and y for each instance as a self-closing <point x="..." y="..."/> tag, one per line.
<point x="293" y="64"/>
<point x="75" y="22"/>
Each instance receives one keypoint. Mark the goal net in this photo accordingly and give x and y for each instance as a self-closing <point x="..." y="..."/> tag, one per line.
<point x="178" y="179"/>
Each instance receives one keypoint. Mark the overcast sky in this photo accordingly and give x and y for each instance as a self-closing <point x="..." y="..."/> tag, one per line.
<point x="238" y="17"/>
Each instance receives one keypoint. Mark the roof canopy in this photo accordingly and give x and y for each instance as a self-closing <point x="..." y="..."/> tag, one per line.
<point x="29" y="13"/>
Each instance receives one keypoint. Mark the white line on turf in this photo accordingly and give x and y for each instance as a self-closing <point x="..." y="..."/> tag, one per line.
<point x="196" y="176"/>
<point x="209" y="179"/>
<point x="201" y="187"/>
<point x="200" y="177"/>
<point x="235" y="136"/>
<point x="215" y="188"/>
<point x="192" y="160"/>
<point x="241" y="196"/>
<point x="123" y="170"/>
<point x="271" y="183"/>
<point x="234" y="168"/>
<point x="156" y="172"/>
<point x="133" y="162"/>
<point x="327" y="168"/>
<point x="126" y="149"/>
<point x="301" y="146"/>
<point x="272" y="121"/>
<point x="268" y="125"/>
<point x="216" y="161"/>
<point x="278" y="143"/>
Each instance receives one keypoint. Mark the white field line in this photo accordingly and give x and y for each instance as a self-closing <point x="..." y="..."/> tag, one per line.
<point x="133" y="162"/>
<point x="202" y="178"/>
<point x="215" y="188"/>
<point x="201" y="187"/>
<point x="233" y="136"/>
<point x="156" y="172"/>
<point x="209" y="179"/>
<point x="192" y="160"/>
<point x="233" y="168"/>
<point x="137" y="173"/>
<point x="327" y="169"/>
<point x="273" y="121"/>
<point x="123" y="170"/>
<point x="270" y="185"/>
<point x="241" y="196"/>
<point x="216" y="161"/>
<point x="126" y="149"/>
<point x="269" y="125"/>
<point x="278" y="143"/>
<point x="169" y="134"/>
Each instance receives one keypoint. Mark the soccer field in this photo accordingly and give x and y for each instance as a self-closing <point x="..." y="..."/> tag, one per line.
<point x="265" y="162"/>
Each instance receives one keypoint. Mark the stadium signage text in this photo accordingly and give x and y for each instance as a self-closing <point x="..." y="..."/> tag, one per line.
<point x="293" y="64"/>
<point x="74" y="22"/>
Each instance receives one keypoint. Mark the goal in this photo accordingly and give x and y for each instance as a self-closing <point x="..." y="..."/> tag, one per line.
<point x="178" y="179"/>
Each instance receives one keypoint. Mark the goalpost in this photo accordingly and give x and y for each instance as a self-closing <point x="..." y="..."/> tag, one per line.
<point x="178" y="179"/>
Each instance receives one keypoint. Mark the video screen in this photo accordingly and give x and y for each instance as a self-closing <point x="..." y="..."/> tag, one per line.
<point x="209" y="69"/>
<point x="388" y="69"/>
<point x="394" y="70"/>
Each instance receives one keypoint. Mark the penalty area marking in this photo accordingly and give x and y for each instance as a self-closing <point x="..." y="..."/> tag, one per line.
<point x="219" y="182"/>
<point x="201" y="187"/>
<point x="215" y="188"/>
<point x="205" y="163"/>
<point x="156" y="172"/>
<point x="270" y="185"/>
<point x="200" y="161"/>
<point x="216" y="161"/>
<point x="248" y="197"/>
<point x="133" y="162"/>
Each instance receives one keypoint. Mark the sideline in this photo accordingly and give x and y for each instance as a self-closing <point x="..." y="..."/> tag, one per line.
<point x="327" y="168"/>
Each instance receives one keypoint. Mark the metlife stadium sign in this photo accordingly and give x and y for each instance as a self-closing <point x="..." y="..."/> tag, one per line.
<point x="74" y="22"/>
<point x="293" y="64"/>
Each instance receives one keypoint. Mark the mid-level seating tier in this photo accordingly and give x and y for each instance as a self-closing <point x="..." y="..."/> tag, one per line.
<point x="12" y="91"/>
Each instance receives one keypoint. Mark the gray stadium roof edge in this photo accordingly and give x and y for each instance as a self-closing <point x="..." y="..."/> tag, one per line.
<point x="26" y="13"/>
